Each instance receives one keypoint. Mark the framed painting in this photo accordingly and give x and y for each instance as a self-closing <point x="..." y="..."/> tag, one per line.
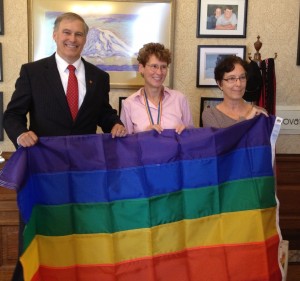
<point x="207" y="58"/>
<point x="1" y="18"/>
<point x="118" y="29"/>
<point x="207" y="102"/>
<point x="222" y="18"/>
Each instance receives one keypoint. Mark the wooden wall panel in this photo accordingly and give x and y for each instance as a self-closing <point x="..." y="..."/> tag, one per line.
<point x="288" y="192"/>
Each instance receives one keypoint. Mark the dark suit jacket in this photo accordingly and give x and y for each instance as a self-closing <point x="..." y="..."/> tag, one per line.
<point x="39" y="92"/>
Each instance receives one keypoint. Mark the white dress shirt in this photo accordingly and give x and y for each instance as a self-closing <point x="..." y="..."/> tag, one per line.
<point x="80" y="74"/>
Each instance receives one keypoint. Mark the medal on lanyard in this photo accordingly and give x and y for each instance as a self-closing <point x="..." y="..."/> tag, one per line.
<point x="149" y="111"/>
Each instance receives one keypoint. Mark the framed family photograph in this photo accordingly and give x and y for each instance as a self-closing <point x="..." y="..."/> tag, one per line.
<point x="207" y="58"/>
<point x="207" y="102"/>
<point x="117" y="30"/>
<point x="222" y="18"/>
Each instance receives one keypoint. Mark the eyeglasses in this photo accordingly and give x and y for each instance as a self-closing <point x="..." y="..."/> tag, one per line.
<point x="155" y="67"/>
<point x="232" y="80"/>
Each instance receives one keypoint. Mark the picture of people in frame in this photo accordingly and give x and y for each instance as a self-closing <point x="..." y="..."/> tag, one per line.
<point x="222" y="17"/>
<point x="211" y="62"/>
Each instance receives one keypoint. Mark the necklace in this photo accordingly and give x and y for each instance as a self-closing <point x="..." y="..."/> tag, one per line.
<point x="149" y="111"/>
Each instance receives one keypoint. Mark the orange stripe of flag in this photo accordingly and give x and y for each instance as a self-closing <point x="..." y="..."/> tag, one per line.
<point x="244" y="262"/>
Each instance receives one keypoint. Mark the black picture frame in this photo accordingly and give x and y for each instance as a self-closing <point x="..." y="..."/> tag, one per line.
<point x="206" y="102"/>
<point x="206" y="25"/>
<point x="207" y="58"/>
<point x="120" y="103"/>
<point x="1" y="64"/>
<point x="1" y="18"/>
<point x="1" y="117"/>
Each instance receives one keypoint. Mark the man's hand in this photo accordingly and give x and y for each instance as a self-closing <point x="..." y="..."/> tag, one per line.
<point x="118" y="131"/>
<point x="27" y="139"/>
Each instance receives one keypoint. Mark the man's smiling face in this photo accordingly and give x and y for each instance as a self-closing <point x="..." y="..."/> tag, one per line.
<point x="70" y="38"/>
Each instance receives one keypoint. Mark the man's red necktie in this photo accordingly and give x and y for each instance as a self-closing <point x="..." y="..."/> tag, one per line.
<point x="72" y="91"/>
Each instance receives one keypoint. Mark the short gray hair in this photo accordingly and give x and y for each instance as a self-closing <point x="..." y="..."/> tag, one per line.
<point x="70" y="16"/>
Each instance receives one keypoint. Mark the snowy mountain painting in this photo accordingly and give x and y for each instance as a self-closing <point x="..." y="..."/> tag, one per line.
<point x="115" y="34"/>
<point x="107" y="51"/>
<point x="109" y="41"/>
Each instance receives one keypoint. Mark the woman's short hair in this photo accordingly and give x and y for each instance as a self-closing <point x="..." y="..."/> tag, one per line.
<point x="157" y="49"/>
<point x="227" y="64"/>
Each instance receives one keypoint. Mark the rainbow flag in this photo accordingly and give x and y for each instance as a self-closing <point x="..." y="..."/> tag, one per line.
<point x="149" y="207"/>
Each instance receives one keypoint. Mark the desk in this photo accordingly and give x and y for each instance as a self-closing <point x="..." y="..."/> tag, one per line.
<point x="9" y="221"/>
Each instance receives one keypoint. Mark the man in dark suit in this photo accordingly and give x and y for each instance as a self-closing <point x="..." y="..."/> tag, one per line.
<point x="41" y="92"/>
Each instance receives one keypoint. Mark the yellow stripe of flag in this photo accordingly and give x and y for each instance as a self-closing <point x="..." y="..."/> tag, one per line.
<point x="223" y="229"/>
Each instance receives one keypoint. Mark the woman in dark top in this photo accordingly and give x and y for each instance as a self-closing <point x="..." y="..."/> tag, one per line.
<point x="231" y="77"/>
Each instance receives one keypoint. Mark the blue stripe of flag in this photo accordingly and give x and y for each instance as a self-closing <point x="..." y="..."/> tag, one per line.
<point x="142" y="182"/>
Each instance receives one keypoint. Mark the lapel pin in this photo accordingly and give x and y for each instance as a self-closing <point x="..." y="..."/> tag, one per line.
<point x="91" y="82"/>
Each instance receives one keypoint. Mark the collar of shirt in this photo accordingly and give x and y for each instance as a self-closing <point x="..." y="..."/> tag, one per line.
<point x="64" y="74"/>
<point x="62" y="64"/>
<point x="140" y="95"/>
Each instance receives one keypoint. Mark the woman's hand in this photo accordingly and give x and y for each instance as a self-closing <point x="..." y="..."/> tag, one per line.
<point x="179" y="128"/>
<point x="155" y="127"/>
<point x="256" y="110"/>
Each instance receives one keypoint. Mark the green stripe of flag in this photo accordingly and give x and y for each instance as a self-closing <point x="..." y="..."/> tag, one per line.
<point x="129" y="214"/>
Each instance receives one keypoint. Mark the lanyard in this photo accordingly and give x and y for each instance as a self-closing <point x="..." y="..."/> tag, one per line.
<point x="149" y="111"/>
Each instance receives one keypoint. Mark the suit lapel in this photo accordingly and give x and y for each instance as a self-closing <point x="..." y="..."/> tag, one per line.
<point x="55" y="84"/>
<point x="90" y="81"/>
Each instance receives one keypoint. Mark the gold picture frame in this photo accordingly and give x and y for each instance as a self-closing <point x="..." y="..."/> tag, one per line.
<point x="121" y="28"/>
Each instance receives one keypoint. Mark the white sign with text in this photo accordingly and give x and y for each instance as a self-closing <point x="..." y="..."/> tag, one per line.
<point x="291" y="119"/>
